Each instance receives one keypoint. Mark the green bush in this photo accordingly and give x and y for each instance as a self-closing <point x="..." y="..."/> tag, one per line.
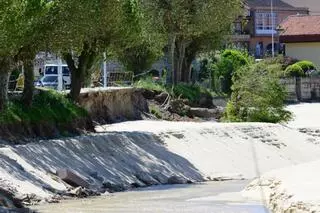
<point x="191" y="92"/>
<point x="306" y="65"/>
<point x="149" y="84"/>
<point x="257" y="96"/>
<point x="230" y="61"/>
<point x="48" y="106"/>
<point x="294" y="71"/>
<point x="237" y="57"/>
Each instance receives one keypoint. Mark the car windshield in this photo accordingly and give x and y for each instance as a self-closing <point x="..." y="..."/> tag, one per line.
<point x="51" y="70"/>
<point x="50" y="79"/>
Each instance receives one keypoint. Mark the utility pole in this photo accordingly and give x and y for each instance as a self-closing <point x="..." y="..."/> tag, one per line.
<point x="60" y="75"/>
<point x="272" y="23"/>
<point x="105" y="83"/>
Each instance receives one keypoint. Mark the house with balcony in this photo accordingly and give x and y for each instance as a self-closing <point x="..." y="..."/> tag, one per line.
<point x="301" y="35"/>
<point x="254" y="30"/>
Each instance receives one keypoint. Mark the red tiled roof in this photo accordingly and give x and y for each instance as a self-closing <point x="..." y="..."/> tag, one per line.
<point x="300" y="27"/>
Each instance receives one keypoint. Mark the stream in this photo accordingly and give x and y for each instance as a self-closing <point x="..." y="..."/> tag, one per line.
<point x="211" y="197"/>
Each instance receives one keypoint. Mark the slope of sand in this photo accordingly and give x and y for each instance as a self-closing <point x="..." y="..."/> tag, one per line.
<point x="153" y="151"/>
<point x="292" y="189"/>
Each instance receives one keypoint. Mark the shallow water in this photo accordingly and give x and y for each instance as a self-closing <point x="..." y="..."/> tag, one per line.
<point x="215" y="197"/>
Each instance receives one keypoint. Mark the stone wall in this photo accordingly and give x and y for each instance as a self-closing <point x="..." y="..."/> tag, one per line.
<point x="302" y="89"/>
<point x="113" y="104"/>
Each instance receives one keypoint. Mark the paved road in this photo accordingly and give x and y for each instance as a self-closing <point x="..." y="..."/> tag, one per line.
<point x="221" y="197"/>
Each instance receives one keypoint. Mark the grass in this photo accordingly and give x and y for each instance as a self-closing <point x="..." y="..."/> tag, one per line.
<point x="149" y="84"/>
<point x="48" y="106"/>
<point x="155" y="111"/>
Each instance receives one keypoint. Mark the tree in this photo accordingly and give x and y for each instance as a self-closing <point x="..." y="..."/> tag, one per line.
<point x="186" y="21"/>
<point x="22" y="35"/>
<point x="85" y="29"/>
<point x="31" y="18"/>
<point x="257" y="95"/>
<point x="8" y="47"/>
<point x="139" y="58"/>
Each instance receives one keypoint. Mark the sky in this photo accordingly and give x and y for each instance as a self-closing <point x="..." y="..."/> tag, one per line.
<point x="313" y="5"/>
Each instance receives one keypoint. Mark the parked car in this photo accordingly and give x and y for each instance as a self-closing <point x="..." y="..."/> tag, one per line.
<point x="49" y="81"/>
<point x="52" y="69"/>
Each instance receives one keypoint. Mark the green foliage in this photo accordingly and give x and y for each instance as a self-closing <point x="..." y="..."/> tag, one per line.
<point x="230" y="61"/>
<point x="294" y="71"/>
<point x="306" y="65"/>
<point x="191" y="92"/>
<point x="139" y="58"/>
<point x="257" y="96"/>
<point x="48" y="106"/>
<point x="155" y="111"/>
<point x="237" y="57"/>
<point x="149" y="84"/>
<point x="204" y="70"/>
<point x="191" y="27"/>
<point x="300" y="69"/>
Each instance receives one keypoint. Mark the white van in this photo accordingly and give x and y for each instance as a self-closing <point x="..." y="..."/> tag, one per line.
<point x="52" y="70"/>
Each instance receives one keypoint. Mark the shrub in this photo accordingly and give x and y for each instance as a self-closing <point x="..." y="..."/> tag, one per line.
<point x="294" y="71"/>
<point x="191" y="92"/>
<point x="47" y="106"/>
<point x="230" y="61"/>
<point x="149" y="84"/>
<point x="306" y="65"/>
<point x="257" y="96"/>
<point x="237" y="57"/>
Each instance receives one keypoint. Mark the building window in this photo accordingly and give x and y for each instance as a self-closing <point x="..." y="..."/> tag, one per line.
<point x="264" y="22"/>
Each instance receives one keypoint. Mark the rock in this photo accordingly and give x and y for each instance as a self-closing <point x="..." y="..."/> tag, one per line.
<point x="111" y="187"/>
<point x="177" y="106"/>
<point x="205" y="112"/>
<point x="148" y="94"/>
<point x="72" y="178"/>
<point x="7" y="200"/>
<point x="162" y="97"/>
<point x="31" y="199"/>
<point x="206" y="101"/>
<point x="79" y="192"/>
<point x="177" y="180"/>
<point x="146" y="179"/>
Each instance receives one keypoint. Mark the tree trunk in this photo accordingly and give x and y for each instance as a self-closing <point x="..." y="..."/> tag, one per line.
<point x="28" y="89"/>
<point x="190" y="55"/>
<point x="76" y="77"/>
<point x="4" y="80"/>
<point x="171" y="58"/>
<point x="186" y="68"/>
<point x="181" y="48"/>
<point x="78" y="74"/>
<point x="5" y="65"/>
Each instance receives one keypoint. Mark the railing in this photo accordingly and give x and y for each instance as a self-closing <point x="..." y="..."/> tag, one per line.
<point x="119" y="79"/>
<point x="240" y="37"/>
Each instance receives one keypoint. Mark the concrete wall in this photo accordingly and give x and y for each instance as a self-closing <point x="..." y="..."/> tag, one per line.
<point x="302" y="89"/>
<point x="304" y="51"/>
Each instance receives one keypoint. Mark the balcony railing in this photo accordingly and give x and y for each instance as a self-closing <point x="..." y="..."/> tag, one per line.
<point x="240" y="37"/>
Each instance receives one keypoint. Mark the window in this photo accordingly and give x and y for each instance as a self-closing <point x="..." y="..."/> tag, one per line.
<point x="65" y="71"/>
<point x="266" y="23"/>
<point x="51" y="70"/>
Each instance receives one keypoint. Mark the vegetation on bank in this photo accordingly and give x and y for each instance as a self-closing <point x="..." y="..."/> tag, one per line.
<point x="253" y="88"/>
<point x="49" y="110"/>
<point x="48" y="106"/>
<point x="257" y="96"/>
